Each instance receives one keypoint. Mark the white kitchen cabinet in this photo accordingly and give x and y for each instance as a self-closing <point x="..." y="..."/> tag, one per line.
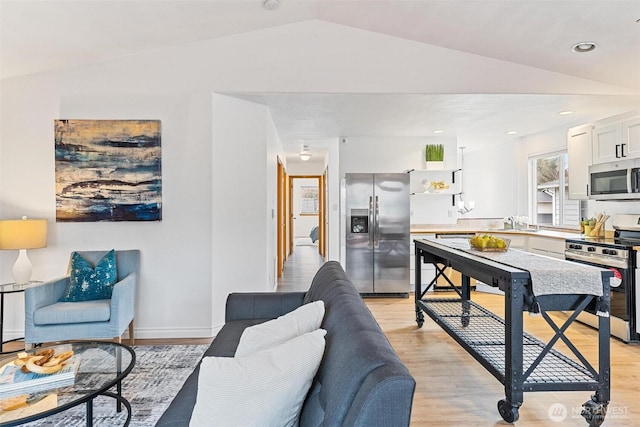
<point x="607" y="143"/>
<point x="616" y="140"/>
<point x="631" y="136"/>
<point x="548" y="246"/>
<point x="428" y="270"/>
<point x="580" y="154"/>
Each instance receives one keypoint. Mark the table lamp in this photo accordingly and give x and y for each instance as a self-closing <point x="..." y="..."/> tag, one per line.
<point x="23" y="234"/>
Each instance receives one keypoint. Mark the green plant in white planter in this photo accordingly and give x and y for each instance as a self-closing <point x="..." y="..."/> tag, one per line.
<point x="434" y="156"/>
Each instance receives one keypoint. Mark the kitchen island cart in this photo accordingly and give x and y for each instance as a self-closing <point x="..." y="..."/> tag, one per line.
<point x="518" y="360"/>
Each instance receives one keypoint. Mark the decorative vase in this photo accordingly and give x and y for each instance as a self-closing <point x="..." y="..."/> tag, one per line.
<point x="434" y="166"/>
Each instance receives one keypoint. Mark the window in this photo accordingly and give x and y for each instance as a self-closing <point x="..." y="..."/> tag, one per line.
<point x="550" y="204"/>
<point x="309" y="200"/>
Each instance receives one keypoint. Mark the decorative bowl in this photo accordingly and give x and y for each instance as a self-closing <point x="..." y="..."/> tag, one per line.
<point x="438" y="186"/>
<point x="493" y="244"/>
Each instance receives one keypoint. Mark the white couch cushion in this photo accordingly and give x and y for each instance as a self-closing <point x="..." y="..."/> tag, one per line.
<point x="264" y="389"/>
<point x="306" y="318"/>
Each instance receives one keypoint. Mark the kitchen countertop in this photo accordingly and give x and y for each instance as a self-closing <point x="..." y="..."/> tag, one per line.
<point x="455" y="228"/>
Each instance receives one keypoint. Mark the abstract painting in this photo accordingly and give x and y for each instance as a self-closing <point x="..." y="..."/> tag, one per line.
<point x="108" y="170"/>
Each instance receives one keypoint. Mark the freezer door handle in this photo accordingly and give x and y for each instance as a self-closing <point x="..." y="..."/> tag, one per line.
<point x="376" y="225"/>
<point x="371" y="222"/>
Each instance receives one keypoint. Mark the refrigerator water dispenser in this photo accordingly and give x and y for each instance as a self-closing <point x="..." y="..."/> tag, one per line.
<point x="359" y="221"/>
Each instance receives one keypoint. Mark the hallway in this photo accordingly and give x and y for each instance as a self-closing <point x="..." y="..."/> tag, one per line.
<point x="299" y="269"/>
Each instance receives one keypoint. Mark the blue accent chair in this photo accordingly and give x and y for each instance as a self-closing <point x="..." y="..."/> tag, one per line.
<point x="47" y="320"/>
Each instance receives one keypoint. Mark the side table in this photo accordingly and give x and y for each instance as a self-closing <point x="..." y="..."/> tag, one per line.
<point x="9" y="288"/>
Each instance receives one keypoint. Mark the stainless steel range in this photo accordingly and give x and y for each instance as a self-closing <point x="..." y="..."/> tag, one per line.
<point x="619" y="254"/>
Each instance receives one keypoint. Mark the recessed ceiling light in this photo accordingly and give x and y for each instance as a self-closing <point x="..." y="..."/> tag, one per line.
<point x="511" y="132"/>
<point x="583" y="47"/>
<point x="271" y="4"/>
<point x="565" y="112"/>
<point x="438" y="131"/>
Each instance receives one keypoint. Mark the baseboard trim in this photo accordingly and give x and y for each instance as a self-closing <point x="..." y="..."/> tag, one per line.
<point x="150" y="333"/>
<point x="153" y="333"/>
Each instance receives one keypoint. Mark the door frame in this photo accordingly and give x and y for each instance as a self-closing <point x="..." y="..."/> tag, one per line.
<point x="282" y="250"/>
<point x="322" y="211"/>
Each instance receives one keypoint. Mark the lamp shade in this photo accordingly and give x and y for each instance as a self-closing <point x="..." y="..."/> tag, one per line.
<point x="23" y="233"/>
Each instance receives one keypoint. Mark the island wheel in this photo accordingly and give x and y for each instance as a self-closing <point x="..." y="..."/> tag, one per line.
<point x="419" y="318"/>
<point x="508" y="412"/>
<point x="594" y="412"/>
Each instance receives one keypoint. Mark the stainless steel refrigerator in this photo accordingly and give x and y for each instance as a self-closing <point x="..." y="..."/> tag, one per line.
<point x="377" y="236"/>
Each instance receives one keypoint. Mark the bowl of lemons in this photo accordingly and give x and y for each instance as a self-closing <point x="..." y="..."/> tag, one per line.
<point x="489" y="243"/>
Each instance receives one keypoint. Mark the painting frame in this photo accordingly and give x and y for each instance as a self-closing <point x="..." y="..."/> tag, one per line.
<point x="108" y="170"/>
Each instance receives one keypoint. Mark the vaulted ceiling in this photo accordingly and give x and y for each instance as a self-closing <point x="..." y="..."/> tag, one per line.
<point x="40" y="36"/>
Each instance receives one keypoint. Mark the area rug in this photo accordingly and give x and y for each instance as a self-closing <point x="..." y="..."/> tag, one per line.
<point x="159" y="373"/>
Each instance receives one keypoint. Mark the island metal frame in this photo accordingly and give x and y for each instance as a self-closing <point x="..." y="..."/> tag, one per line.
<point x="518" y="360"/>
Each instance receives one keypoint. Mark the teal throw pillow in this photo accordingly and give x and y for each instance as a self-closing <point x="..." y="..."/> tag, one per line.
<point x="87" y="282"/>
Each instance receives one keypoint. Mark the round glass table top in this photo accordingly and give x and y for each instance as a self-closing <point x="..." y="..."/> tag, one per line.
<point x="94" y="368"/>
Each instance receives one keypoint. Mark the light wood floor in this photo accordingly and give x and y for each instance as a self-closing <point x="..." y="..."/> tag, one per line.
<point x="453" y="389"/>
<point x="299" y="269"/>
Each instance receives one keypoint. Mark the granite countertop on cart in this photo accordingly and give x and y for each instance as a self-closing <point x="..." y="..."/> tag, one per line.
<point x="549" y="276"/>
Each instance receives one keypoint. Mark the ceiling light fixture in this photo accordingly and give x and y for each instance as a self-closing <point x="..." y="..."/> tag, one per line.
<point x="583" y="47"/>
<point x="305" y="154"/>
<point x="511" y="132"/>
<point x="271" y="4"/>
<point x="565" y="112"/>
<point x="438" y="131"/>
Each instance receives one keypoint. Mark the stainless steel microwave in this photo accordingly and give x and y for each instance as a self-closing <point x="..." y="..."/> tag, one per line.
<point x="615" y="180"/>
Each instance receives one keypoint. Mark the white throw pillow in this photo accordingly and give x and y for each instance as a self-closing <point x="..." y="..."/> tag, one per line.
<point x="306" y="318"/>
<point x="264" y="389"/>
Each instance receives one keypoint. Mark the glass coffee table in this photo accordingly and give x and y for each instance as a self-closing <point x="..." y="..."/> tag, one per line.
<point x="102" y="366"/>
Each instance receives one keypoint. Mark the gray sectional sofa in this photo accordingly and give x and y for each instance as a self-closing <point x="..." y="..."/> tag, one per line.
<point x="360" y="382"/>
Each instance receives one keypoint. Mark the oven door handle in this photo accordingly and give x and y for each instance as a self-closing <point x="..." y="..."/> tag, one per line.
<point x="611" y="262"/>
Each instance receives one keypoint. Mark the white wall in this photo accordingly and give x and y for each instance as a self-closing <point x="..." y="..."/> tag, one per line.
<point x="242" y="238"/>
<point x="183" y="282"/>
<point x="311" y="167"/>
<point x="198" y="252"/>
<point x="391" y="154"/>
<point x="487" y="178"/>
<point x="179" y="243"/>
<point x="490" y="178"/>
<point x="274" y="151"/>
<point x="333" y="201"/>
